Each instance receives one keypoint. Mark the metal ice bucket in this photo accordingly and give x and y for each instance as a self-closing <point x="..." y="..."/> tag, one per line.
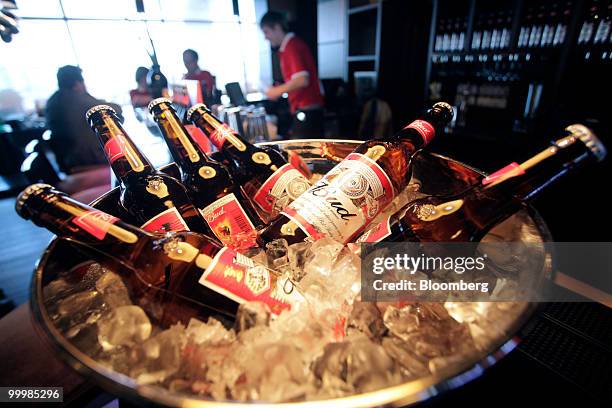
<point x="437" y="175"/>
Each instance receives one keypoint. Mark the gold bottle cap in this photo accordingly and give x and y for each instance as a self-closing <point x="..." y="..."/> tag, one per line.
<point x="194" y="108"/>
<point x="25" y="195"/>
<point x="589" y="138"/>
<point x="98" y="108"/>
<point x="157" y="101"/>
<point x="444" y="107"/>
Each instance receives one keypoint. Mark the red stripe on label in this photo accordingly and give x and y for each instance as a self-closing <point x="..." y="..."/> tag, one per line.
<point x="219" y="135"/>
<point x="377" y="233"/>
<point x="113" y="149"/>
<point x="95" y="222"/>
<point x="425" y="129"/>
<point x="511" y="170"/>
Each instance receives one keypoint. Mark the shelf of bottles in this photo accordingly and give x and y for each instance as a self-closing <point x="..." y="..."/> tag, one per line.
<point x="594" y="42"/>
<point x="500" y="60"/>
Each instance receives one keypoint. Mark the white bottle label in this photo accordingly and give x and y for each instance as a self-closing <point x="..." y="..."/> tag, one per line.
<point x="342" y="203"/>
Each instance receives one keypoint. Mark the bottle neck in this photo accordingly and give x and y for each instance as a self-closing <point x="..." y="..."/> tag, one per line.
<point x="69" y="218"/>
<point x="422" y="131"/>
<point x="186" y="153"/>
<point x="219" y="133"/>
<point x="126" y="160"/>
<point x="527" y="180"/>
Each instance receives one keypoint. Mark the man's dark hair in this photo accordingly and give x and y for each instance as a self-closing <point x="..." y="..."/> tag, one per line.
<point x="141" y="72"/>
<point x="193" y="53"/>
<point x="68" y="75"/>
<point x="272" y="18"/>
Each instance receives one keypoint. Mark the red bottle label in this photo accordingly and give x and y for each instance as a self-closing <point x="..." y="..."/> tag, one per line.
<point x="280" y="189"/>
<point x="199" y="137"/>
<point x="95" y="222"/>
<point x="169" y="220"/>
<point x="113" y="149"/>
<point x="228" y="220"/>
<point x="425" y="129"/>
<point x="220" y="134"/>
<point x="377" y="233"/>
<point x="242" y="280"/>
<point x="511" y="170"/>
<point x="343" y="202"/>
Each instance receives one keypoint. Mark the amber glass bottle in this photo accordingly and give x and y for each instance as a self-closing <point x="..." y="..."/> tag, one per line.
<point x="179" y="275"/>
<point x="155" y="200"/>
<point x="267" y="178"/>
<point x="356" y="190"/>
<point x="229" y="214"/>
<point x="471" y="214"/>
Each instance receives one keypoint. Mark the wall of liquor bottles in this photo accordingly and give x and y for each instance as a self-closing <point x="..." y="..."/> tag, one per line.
<point x="516" y="66"/>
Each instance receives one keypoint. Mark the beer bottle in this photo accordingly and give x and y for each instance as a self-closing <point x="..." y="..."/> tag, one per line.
<point x="229" y="214"/>
<point x="468" y="216"/>
<point x="157" y="201"/>
<point x="356" y="190"/>
<point x="186" y="273"/>
<point x="267" y="178"/>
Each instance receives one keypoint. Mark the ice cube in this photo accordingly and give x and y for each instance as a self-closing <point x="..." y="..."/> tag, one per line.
<point x="274" y="372"/>
<point x="161" y="355"/>
<point x="124" y="326"/>
<point x="366" y="318"/>
<point x="276" y="252"/>
<point x="56" y="290"/>
<point x="113" y="290"/>
<point x="428" y="330"/>
<point x="252" y="314"/>
<point x="358" y="365"/>
<point x="211" y="332"/>
<point x="297" y="255"/>
<point x="323" y="254"/>
<point x="412" y="366"/>
<point x="401" y="322"/>
<point x="75" y="309"/>
<point x="93" y="273"/>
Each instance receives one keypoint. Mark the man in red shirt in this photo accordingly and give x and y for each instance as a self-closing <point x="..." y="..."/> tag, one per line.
<point x="190" y="59"/>
<point x="300" y="76"/>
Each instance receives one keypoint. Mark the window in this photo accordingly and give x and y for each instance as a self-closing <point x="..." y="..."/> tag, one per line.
<point x="108" y="41"/>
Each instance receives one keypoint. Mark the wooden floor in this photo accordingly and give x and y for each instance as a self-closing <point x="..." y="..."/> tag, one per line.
<point x="23" y="243"/>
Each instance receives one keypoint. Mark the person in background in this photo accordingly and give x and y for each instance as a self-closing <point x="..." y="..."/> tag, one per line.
<point x="300" y="76"/>
<point x="141" y="96"/>
<point x="72" y="140"/>
<point x="194" y="72"/>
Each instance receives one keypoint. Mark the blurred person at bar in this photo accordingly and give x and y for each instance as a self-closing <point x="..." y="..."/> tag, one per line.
<point x="301" y="82"/>
<point x="194" y="72"/>
<point x="72" y="140"/>
<point x="141" y="96"/>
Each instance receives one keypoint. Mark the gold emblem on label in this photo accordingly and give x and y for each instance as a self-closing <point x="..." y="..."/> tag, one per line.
<point x="257" y="279"/>
<point x="288" y="228"/>
<point x="157" y="187"/>
<point x="261" y="158"/>
<point x="207" y="172"/>
<point x="297" y="187"/>
<point x="375" y="152"/>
